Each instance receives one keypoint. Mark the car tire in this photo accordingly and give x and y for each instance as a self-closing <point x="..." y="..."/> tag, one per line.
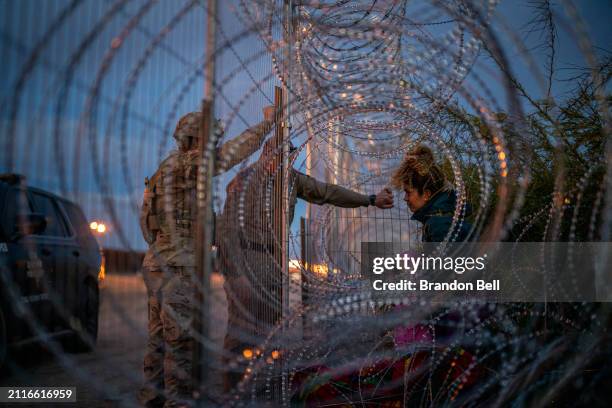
<point x="84" y="338"/>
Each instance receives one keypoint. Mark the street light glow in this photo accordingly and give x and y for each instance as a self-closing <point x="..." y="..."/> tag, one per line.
<point x="98" y="227"/>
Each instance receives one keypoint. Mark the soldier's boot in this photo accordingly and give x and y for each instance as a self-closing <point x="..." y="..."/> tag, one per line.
<point x="177" y="318"/>
<point x="151" y="394"/>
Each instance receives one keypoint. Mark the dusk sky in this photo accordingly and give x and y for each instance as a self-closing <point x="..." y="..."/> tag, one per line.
<point x="137" y="106"/>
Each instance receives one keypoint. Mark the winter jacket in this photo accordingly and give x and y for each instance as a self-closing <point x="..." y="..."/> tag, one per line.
<point x="437" y="217"/>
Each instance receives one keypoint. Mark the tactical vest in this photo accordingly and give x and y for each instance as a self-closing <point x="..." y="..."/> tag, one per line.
<point x="173" y="205"/>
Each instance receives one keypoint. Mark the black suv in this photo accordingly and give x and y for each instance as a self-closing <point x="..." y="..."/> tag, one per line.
<point x="49" y="265"/>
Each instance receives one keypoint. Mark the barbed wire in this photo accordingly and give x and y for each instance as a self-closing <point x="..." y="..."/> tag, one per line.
<point x="366" y="82"/>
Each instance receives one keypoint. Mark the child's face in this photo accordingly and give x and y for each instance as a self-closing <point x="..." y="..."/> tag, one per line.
<point x="414" y="199"/>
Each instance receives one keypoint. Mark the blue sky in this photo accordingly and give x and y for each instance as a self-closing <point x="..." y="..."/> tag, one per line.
<point x="168" y="85"/>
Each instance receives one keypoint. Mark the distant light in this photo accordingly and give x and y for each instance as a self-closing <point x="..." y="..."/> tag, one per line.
<point x="319" y="269"/>
<point x="102" y="270"/>
<point x="93" y="225"/>
<point x="275" y="354"/>
<point x="247" y="353"/>
<point x="101" y="228"/>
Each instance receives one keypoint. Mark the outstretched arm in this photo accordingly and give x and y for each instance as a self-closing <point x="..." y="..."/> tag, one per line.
<point x="318" y="192"/>
<point x="239" y="148"/>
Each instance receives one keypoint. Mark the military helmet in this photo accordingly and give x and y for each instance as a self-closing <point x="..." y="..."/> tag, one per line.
<point x="188" y="125"/>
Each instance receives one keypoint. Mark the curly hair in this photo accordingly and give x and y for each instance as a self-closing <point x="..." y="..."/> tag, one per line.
<point x="419" y="171"/>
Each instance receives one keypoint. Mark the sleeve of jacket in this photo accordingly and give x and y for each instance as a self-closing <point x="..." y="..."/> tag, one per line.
<point x="239" y="148"/>
<point x="317" y="192"/>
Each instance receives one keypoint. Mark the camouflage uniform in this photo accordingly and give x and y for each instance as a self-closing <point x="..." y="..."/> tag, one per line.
<point x="252" y="277"/>
<point x="168" y="219"/>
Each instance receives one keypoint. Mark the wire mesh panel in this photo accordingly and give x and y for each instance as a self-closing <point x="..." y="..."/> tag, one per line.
<point x="89" y="99"/>
<point x="251" y="245"/>
<point x="189" y="192"/>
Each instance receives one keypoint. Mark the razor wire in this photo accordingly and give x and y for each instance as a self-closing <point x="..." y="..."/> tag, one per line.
<point x="89" y="106"/>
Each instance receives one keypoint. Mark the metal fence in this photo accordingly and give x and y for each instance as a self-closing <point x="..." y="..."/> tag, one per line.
<point x="278" y="312"/>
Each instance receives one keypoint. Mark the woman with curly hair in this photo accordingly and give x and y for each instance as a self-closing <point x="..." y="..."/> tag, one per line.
<point x="429" y="195"/>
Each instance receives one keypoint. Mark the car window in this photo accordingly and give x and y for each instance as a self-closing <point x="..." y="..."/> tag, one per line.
<point x="44" y="205"/>
<point x="80" y="225"/>
<point x="16" y="203"/>
<point x="77" y="219"/>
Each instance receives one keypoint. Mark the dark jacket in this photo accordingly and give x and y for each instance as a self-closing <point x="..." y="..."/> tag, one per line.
<point x="437" y="217"/>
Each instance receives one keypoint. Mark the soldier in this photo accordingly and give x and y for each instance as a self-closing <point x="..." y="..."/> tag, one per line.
<point x="251" y="284"/>
<point x="168" y="219"/>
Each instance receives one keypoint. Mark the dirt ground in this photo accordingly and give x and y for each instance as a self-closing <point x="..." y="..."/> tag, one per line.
<point x="111" y="375"/>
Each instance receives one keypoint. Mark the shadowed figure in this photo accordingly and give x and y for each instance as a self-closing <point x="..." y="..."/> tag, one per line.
<point x="247" y="243"/>
<point x="168" y="220"/>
